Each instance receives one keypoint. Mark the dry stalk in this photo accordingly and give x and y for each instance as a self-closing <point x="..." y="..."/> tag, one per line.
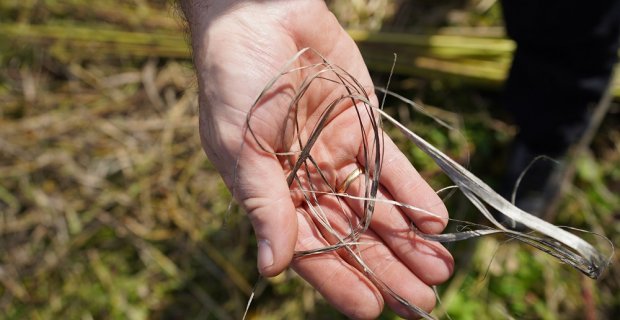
<point x="544" y="236"/>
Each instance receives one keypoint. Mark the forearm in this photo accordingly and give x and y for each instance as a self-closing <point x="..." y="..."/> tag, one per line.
<point x="192" y="9"/>
<point x="201" y="11"/>
<point x="197" y="11"/>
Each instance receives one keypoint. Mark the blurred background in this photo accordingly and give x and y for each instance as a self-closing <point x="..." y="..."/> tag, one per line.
<point x="110" y="210"/>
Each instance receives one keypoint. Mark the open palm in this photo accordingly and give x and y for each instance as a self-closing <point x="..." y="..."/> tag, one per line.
<point x="239" y="46"/>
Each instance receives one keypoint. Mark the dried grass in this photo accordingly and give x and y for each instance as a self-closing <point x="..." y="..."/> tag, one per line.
<point x="557" y="242"/>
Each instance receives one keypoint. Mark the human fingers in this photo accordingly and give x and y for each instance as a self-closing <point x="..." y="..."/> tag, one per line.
<point x="396" y="276"/>
<point x="403" y="182"/>
<point x="260" y="187"/>
<point x="429" y="260"/>
<point x="345" y="287"/>
<point x="370" y="255"/>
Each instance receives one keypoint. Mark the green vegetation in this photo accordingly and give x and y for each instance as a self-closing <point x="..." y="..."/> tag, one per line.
<point x="110" y="210"/>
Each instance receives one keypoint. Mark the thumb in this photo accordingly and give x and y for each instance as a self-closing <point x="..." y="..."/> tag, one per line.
<point x="262" y="190"/>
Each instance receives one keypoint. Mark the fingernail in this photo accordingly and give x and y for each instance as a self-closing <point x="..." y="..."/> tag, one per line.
<point x="265" y="254"/>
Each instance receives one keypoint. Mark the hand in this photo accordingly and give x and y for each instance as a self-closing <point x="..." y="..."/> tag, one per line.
<point x="238" y="47"/>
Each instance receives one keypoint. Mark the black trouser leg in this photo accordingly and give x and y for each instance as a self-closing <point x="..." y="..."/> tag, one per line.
<point x="566" y="50"/>
<point x="565" y="54"/>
